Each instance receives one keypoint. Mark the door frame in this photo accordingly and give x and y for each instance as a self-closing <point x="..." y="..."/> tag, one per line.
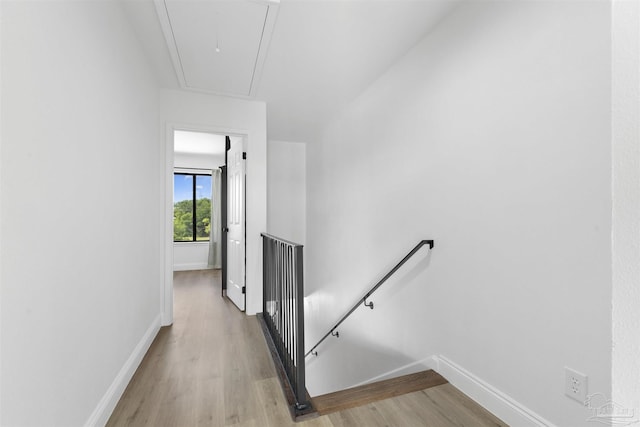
<point x="166" y="293"/>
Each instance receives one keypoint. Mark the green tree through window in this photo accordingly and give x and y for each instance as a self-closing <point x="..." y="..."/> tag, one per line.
<point x="191" y="194"/>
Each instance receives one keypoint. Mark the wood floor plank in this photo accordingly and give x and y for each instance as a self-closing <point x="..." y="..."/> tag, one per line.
<point x="323" y="421"/>
<point x="367" y="415"/>
<point x="212" y="368"/>
<point x="407" y="412"/>
<point x="273" y="403"/>
<point x="260" y="367"/>
<point x="239" y="397"/>
<point x="460" y="409"/>
<point x="357" y="396"/>
<point x="209" y="402"/>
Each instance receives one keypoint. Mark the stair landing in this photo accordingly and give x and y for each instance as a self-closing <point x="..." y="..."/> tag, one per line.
<point x="368" y="393"/>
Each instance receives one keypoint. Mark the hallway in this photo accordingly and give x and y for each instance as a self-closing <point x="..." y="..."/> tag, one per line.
<point x="212" y="368"/>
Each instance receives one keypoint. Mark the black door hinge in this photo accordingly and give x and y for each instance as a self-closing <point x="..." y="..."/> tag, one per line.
<point x="244" y="155"/>
<point x="244" y="289"/>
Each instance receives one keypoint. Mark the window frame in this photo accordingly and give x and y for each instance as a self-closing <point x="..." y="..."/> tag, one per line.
<point x="194" y="219"/>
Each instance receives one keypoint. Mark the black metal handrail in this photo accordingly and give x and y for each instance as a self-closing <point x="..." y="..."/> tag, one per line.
<point x="363" y="300"/>
<point x="283" y="309"/>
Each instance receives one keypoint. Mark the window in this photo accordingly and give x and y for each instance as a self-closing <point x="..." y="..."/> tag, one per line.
<point x="191" y="194"/>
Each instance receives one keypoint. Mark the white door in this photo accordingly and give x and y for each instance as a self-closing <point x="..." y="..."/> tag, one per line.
<point x="235" y="219"/>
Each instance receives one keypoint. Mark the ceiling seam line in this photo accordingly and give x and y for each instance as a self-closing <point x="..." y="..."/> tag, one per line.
<point x="175" y="43"/>
<point x="255" y="64"/>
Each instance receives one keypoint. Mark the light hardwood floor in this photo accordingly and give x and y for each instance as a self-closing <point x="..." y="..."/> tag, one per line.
<point x="212" y="368"/>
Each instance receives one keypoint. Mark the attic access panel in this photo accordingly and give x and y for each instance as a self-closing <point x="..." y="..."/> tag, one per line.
<point x="239" y="29"/>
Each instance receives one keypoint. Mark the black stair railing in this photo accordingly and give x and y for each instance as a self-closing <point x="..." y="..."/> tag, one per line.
<point x="363" y="300"/>
<point x="283" y="310"/>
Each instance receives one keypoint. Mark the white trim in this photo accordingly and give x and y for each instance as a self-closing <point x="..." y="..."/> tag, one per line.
<point x="107" y="404"/>
<point x="498" y="403"/>
<point x="166" y="295"/>
<point x="192" y="266"/>
<point x="204" y="171"/>
<point x="191" y="243"/>
<point x="267" y="32"/>
<point x="1" y="18"/>
<point x="502" y="406"/>
<point x="430" y="362"/>
<point x="167" y="31"/>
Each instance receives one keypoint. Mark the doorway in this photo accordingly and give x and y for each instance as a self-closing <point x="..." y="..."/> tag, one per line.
<point x="197" y="159"/>
<point x="196" y="198"/>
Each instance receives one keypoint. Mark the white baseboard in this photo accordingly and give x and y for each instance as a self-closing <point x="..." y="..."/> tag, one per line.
<point x="502" y="406"/>
<point x="430" y="362"/>
<point x="498" y="403"/>
<point x="194" y="266"/>
<point x="107" y="404"/>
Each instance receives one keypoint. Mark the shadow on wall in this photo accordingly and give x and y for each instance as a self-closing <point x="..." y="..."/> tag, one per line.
<point x="376" y="344"/>
<point x="347" y="361"/>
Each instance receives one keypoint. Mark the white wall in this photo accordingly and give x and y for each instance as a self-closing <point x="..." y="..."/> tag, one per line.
<point x="80" y="211"/>
<point x="193" y="255"/>
<point x="1" y="138"/>
<point x="190" y="256"/>
<point x="286" y="188"/>
<point x="492" y="136"/>
<point x="206" y="113"/>
<point x="626" y="204"/>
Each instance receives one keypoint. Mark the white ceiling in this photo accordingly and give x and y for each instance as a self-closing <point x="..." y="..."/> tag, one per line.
<point x="321" y="54"/>
<point x="217" y="46"/>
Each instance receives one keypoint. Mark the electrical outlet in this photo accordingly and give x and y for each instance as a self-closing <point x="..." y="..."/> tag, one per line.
<point x="575" y="385"/>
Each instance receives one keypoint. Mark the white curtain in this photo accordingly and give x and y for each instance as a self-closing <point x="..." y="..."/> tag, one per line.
<point x="215" y="234"/>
